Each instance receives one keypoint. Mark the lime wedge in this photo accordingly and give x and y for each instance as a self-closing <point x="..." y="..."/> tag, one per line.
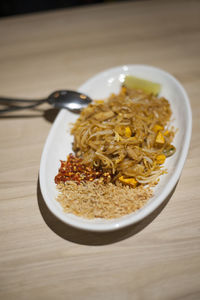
<point x="147" y="86"/>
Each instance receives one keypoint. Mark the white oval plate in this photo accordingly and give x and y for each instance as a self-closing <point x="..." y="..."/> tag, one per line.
<point x="59" y="143"/>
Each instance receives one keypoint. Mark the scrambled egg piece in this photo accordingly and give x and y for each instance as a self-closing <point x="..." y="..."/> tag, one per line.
<point x="130" y="181"/>
<point x="157" y="128"/>
<point x="128" y="132"/>
<point x="160" y="159"/>
<point x="160" y="138"/>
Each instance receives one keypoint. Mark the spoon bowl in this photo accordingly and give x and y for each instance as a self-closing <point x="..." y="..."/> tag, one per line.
<point x="70" y="100"/>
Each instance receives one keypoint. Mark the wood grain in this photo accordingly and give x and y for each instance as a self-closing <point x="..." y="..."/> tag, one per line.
<point x="40" y="257"/>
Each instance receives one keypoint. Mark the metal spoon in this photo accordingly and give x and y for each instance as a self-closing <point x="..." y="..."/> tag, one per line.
<point x="71" y="100"/>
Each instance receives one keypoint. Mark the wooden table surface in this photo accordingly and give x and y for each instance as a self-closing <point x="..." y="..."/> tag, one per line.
<point x="40" y="258"/>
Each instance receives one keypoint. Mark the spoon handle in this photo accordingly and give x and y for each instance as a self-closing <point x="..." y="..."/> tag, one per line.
<point x="10" y="100"/>
<point x="15" y="108"/>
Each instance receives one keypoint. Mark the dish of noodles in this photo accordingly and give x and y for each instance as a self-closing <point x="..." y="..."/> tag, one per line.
<point x="120" y="147"/>
<point x="97" y="200"/>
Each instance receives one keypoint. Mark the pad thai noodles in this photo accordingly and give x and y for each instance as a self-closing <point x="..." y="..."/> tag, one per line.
<point x="127" y="135"/>
<point x="120" y="147"/>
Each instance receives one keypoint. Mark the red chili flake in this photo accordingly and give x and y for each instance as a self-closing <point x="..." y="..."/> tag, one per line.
<point x="75" y="170"/>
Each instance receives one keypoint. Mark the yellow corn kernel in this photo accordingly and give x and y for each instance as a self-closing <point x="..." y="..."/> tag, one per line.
<point x="99" y="101"/>
<point x="129" y="181"/>
<point x="128" y="132"/>
<point x="160" y="138"/>
<point x="157" y="128"/>
<point x="160" y="159"/>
